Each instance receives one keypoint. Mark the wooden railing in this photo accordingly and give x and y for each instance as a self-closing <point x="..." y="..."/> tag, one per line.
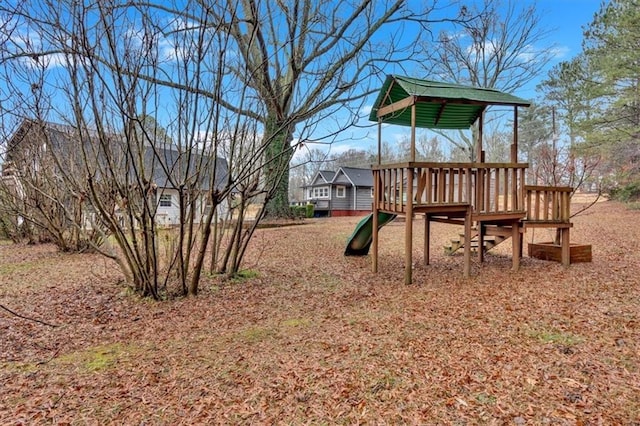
<point x="548" y="203"/>
<point x="490" y="188"/>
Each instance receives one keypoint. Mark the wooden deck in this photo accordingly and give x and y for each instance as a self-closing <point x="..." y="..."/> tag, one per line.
<point x="488" y="197"/>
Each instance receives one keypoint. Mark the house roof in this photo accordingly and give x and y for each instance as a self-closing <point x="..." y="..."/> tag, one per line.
<point x="327" y="175"/>
<point x="323" y="177"/>
<point x="167" y="163"/>
<point x="357" y="176"/>
<point x="438" y="105"/>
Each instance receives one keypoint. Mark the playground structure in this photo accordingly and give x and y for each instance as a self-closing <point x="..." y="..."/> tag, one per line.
<point x="488" y="199"/>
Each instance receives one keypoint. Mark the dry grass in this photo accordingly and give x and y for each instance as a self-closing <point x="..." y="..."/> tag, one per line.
<point x="312" y="337"/>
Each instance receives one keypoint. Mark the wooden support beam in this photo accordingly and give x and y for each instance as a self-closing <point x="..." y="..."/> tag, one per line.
<point x="480" y="242"/>
<point x="374" y="234"/>
<point x="566" y="247"/>
<point x="467" y="243"/>
<point x="479" y="141"/>
<point x="396" y="106"/>
<point x="379" y="141"/>
<point x="413" y="132"/>
<point x="515" y="242"/>
<point x="408" y="230"/>
<point x="427" y="237"/>
<point x="443" y="105"/>
<point x="514" y="147"/>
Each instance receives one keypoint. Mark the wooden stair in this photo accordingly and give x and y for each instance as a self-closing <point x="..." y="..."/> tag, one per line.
<point x="490" y="241"/>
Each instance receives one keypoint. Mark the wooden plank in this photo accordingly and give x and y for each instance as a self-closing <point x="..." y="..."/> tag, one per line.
<point x="451" y="185"/>
<point x="408" y="233"/>
<point x="514" y="146"/>
<point x="400" y="203"/>
<point x="505" y="190"/>
<point x="496" y="191"/>
<point x="420" y="186"/>
<point x="515" y="246"/>
<point x="548" y="188"/>
<point x="468" y="187"/>
<point x="413" y="132"/>
<point x="427" y="237"/>
<point x="374" y="241"/>
<point x="426" y="164"/>
<point x="467" y="243"/>
<point x="519" y="205"/>
<point x="429" y="199"/>
<point x="443" y="105"/>
<point x="566" y="253"/>
<point x="461" y="175"/>
<point x="487" y="191"/>
<point x="553" y="252"/>
<point x="441" y="186"/>
<point x="438" y="100"/>
<point x="396" y="106"/>
<point x="514" y="190"/>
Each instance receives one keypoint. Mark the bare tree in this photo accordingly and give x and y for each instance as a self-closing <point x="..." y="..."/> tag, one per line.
<point x="503" y="47"/>
<point x="305" y="60"/>
<point x="304" y="167"/>
<point x="139" y="90"/>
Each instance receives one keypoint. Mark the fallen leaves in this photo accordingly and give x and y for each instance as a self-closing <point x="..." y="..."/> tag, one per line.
<point x="315" y="337"/>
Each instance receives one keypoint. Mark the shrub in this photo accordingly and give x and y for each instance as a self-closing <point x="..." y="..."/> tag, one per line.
<point x="309" y="208"/>
<point x="627" y="193"/>
<point x="299" y="212"/>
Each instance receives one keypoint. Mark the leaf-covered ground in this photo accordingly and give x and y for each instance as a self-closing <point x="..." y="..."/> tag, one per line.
<point x="317" y="338"/>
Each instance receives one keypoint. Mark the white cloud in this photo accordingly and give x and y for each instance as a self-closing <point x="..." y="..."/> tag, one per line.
<point x="365" y="110"/>
<point x="530" y="52"/>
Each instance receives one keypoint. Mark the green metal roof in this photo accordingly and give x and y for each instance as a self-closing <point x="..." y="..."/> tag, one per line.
<point x="438" y="105"/>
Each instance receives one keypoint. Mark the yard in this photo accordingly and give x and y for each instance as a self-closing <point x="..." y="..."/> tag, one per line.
<point x="312" y="337"/>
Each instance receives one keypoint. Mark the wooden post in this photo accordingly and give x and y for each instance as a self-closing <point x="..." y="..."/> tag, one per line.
<point x="379" y="141"/>
<point x="480" y="242"/>
<point x="566" y="247"/>
<point x="427" y="237"/>
<point x="479" y="141"/>
<point x="413" y="132"/>
<point x="515" y="237"/>
<point x="408" y="232"/>
<point x="467" y="243"/>
<point x="514" y="146"/>
<point x="374" y="211"/>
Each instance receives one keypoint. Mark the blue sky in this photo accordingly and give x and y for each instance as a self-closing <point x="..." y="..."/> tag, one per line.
<point x="564" y="19"/>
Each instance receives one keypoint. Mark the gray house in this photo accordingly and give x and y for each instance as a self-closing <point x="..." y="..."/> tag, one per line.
<point x="30" y="152"/>
<point x="345" y="192"/>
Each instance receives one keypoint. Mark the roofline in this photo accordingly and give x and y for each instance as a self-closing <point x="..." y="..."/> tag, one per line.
<point x="347" y="176"/>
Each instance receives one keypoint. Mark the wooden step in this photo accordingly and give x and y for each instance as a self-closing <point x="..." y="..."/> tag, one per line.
<point x="489" y="241"/>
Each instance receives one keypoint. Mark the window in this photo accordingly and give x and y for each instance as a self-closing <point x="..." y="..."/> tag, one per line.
<point x="341" y="191"/>
<point x="371" y="192"/>
<point x="321" y="192"/>
<point x="165" y="200"/>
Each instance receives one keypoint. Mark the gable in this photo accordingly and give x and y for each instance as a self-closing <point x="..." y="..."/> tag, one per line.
<point x="356" y="176"/>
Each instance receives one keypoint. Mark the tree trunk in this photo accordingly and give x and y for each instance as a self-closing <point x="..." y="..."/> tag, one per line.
<point x="277" y="156"/>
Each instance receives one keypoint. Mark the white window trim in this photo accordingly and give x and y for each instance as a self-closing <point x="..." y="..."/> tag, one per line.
<point x="164" y="198"/>
<point x="321" y="192"/>
<point x="372" y="192"/>
<point x="343" y="189"/>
